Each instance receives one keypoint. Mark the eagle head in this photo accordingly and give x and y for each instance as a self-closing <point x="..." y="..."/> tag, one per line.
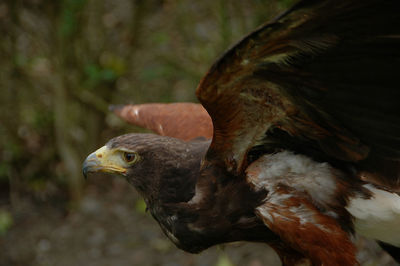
<point x="157" y="166"/>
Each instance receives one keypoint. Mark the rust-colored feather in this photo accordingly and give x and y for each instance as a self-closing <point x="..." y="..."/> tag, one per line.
<point x="321" y="239"/>
<point x="184" y="121"/>
<point x="300" y="224"/>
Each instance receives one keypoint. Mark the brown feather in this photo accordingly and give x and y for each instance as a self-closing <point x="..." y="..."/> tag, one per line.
<point x="184" y="121"/>
<point x="301" y="73"/>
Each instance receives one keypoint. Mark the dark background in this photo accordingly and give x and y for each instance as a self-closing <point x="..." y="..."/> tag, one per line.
<point x="62" y="63"/>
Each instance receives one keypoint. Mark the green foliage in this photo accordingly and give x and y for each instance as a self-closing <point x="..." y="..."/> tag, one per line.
<point x="43" y="120"/>
<point x="160" y="38"/>
<point x="6" y="221"/>
<point x="69" y="16"/>
<point x="96" y="75"/>
<point x="156" y="72"/>
<point x="20" y="60"/>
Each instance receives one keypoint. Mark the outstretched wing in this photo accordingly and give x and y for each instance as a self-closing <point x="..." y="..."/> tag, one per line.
<point x="184" y="121"/>
<point x="321" y="79"/>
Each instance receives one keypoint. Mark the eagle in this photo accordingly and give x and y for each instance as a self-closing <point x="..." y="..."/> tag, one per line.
<point x="295" y="142"/>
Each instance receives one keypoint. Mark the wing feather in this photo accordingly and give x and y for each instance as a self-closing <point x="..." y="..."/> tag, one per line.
<point x="325" y="72"/>
<point x="184" y="121"/>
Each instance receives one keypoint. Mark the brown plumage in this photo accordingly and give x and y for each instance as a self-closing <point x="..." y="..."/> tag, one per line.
<point x="185" y="121"/>
<point x="306" y="139"/>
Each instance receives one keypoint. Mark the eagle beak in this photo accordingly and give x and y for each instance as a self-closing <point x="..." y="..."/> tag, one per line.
<point x="91" y="164"/>
<point x="102" y="160"/>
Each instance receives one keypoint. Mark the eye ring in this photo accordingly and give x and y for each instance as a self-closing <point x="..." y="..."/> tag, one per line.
<point x="130" y="157"/>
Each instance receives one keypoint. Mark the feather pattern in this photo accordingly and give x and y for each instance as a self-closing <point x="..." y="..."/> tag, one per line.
<point x="319" y="78"/>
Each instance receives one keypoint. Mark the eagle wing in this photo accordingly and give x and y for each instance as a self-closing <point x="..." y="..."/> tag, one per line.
<point x="185" y="121"/>
<point x="321" y="79"/>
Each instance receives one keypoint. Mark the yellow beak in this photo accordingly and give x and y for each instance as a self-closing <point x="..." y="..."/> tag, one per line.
<point x="103" y="160"/>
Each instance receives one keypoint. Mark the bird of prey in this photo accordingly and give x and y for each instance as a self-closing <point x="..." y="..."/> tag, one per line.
<point x="298" y="144"/>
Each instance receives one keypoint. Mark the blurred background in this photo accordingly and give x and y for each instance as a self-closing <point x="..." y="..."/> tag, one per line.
<point x="62" y="63"/>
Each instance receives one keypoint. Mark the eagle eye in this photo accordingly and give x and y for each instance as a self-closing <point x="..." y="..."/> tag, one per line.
<point x="130" y="157"/>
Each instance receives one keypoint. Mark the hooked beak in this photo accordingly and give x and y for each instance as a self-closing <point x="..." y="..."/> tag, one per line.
<point x="91" y="164"/>
<point x="103" y="160"/>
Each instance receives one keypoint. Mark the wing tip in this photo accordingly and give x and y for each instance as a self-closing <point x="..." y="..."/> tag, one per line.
<point x="116" y="108"/>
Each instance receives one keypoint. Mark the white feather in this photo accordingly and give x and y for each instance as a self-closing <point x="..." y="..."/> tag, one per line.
<point x="377" y="217"/>
<point x="296" y="171"/>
